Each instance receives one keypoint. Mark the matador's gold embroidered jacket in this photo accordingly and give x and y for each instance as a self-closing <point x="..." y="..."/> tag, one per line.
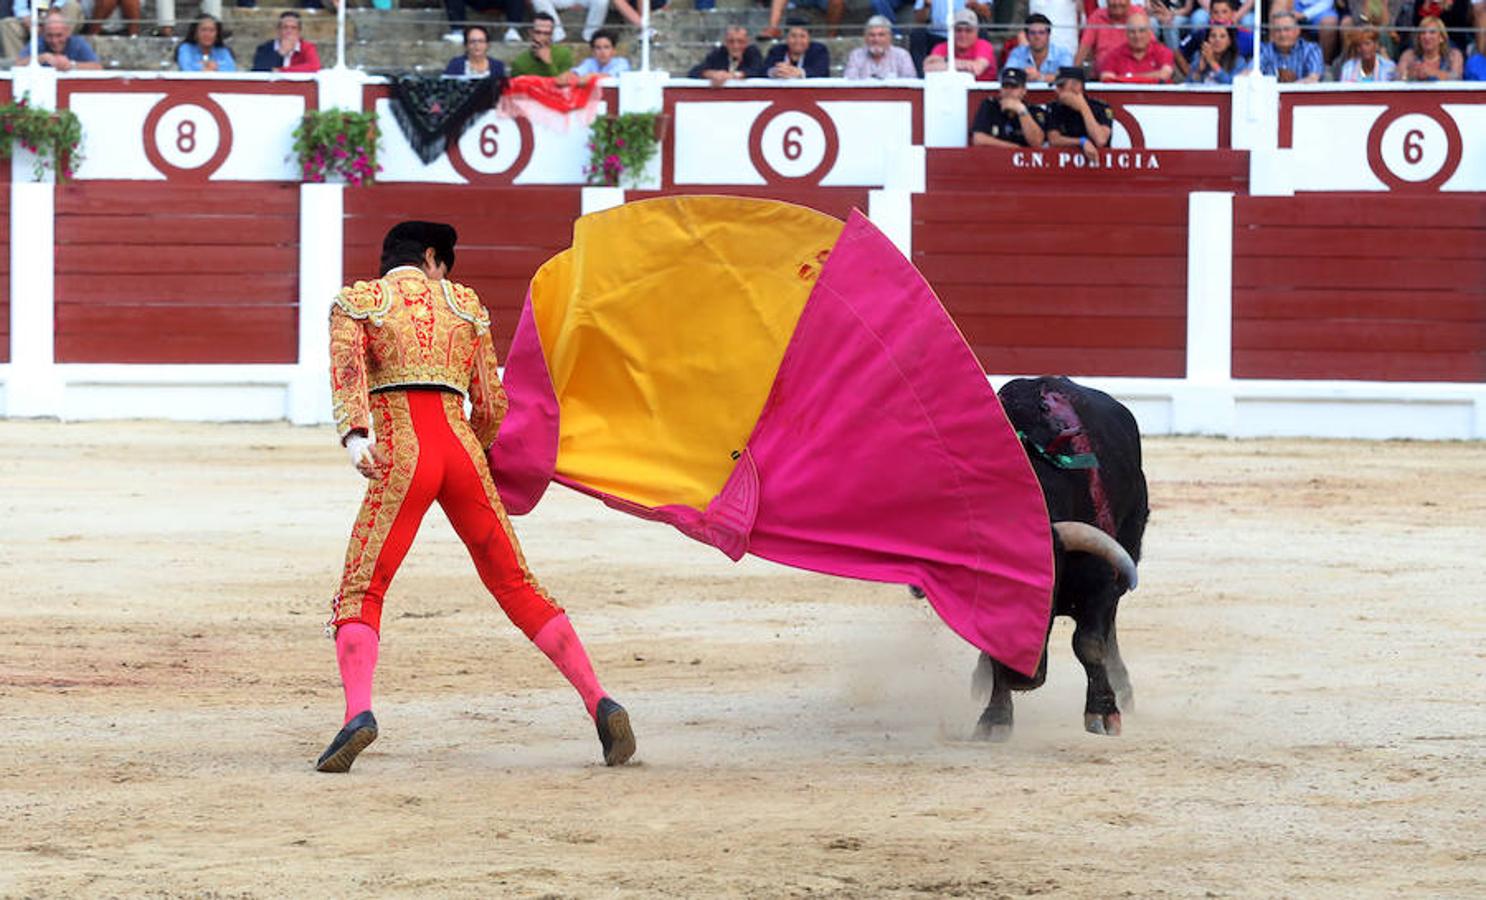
<point x="404" y="330"/>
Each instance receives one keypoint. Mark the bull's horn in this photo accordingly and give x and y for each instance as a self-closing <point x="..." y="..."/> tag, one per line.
<point x="1085" y="538"/>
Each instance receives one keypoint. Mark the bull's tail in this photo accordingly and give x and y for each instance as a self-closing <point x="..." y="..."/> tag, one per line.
<point x="1081" y="537"/>
<point x="983" y="682"/>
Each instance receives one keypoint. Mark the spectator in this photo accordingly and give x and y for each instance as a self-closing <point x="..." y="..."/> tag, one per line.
<point x="476" y="61"/>
<point x="1039" y="59"/>
<point x="973" y="53"/>
<point x="1065" y="16"/>
<point x="1431" y="58"/>
<point x="541" y="57"/>
<point x="60" y="48"/>
<point x="1456" y="15"/>
<point x="888" y="9"/>
<point x="934" y="18"/>
<point x="734" y="59"/>
<point x="1171" y="18"/>
<point x="1008" y="121"/>
<point x="204" y="49"/>
<point x="1362" y="61"/>
<point x="165" y="13"/>
<point x="631" y="12"/>
<point x="1288" y="56"/>
<point x="1475" y="67"/>
<point x="834" y="10"/>
<point x="1319" y="17"/>
<point x="601" y="60"/>
<point x="596" y="11"/>
<point x="1240" y="13"/>
<point x="1478" y="17"/>
<point x="877" y="57"/>
<point x="1217" y="60"/>
<point x="1141" y="58"/>
<point x="1220" y="12"/>
<point x="1104" y="30"/>
<point x="102" y="9"/>
<point x="15" y="32"/>
<point x="1076" y="120"/>
<point x="286" y="53"/>
<point x="798" y="56"/>
<point x="1387" y="16"/>
<point x="458" y="16"/>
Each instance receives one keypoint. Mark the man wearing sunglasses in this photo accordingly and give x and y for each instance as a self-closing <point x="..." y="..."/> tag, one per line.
<point x="1036" y="56"/>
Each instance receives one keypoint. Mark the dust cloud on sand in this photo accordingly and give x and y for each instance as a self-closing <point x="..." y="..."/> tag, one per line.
<point x="1307" y="651"/>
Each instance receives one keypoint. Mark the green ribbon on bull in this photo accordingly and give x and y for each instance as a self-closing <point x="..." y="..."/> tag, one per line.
<point x="1061" y="460"/>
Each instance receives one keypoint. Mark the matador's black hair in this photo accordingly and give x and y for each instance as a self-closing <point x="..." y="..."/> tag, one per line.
<point x="406" y="241"/>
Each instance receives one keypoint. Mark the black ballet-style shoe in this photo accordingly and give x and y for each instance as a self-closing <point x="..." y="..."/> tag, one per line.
<point x="615" y="733"/>
<point x="354" y="738"/>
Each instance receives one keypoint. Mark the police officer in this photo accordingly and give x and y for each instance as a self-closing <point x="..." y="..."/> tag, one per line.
<point x="1008" y="120"/>
<point x="1074" y="120"/>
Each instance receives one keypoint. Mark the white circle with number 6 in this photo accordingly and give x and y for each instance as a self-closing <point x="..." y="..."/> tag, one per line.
<point x="793" y="144"/>
<point x="1414" y="147"/>
<point x="187" y="136"/>
<point x="491" y="145"/>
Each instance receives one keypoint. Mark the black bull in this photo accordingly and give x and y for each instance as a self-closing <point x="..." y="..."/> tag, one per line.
<point x="1085" y="448"/>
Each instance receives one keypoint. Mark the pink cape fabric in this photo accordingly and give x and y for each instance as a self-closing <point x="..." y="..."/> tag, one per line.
<point x="881" y="453"/>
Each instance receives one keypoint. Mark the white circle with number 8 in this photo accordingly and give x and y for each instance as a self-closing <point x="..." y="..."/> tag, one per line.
<point x="491" y="145"/>
<point x="187" y="136"/>
<point x="1414" y="147"/>
<point x="794" y="144"/>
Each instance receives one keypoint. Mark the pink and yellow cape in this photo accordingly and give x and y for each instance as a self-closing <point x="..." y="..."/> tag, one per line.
<point x="770" y="380"/>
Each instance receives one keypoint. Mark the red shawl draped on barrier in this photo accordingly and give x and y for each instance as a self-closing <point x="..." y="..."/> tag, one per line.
<point x="548" y="101"/>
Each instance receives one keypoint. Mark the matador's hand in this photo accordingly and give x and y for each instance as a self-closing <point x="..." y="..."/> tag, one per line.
<point x="365" y="456"/>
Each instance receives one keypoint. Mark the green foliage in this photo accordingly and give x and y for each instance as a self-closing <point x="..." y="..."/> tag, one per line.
<point x="335" y="141"/>
<point x="620" y="147"/>
<point x="55" y="137"/>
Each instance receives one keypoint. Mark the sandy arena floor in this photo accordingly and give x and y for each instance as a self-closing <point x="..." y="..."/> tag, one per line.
<point x="1308" y="649"/>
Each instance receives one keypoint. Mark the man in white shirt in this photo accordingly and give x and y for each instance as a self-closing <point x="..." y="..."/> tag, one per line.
<point x="877" y="58"/>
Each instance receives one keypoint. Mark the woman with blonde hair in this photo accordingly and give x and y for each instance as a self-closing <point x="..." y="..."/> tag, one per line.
<point x="1431" y="58"/>
<point x="1362" y="62"/>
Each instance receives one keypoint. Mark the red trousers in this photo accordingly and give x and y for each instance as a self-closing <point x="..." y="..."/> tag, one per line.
<point x="433" y="455"/>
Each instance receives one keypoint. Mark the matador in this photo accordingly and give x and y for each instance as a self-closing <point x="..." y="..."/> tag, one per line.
<point x="405" y="351"/>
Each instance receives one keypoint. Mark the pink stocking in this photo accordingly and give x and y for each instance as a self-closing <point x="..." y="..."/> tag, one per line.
<point x="356" y="652"/>
<point x="558" y="640"/>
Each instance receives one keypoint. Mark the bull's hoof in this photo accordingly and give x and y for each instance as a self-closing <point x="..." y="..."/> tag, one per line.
<point x="994" y="725"/>
<point x="994" y="734"/>
<point x="1108" y="724"/>
<point x="916" y="592"/>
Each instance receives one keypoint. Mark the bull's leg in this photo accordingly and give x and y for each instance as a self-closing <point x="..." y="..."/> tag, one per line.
<point x="1091" y="645"/>
<point x="995" y="720"/>
<point x="1119" y="677"/>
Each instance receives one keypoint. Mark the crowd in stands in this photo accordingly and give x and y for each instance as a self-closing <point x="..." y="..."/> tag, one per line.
<point x="1133" y="41"/>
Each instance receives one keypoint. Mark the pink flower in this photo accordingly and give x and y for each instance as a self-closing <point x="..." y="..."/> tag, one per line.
<point x="619" y="142"/>
<point x="340" y="139"/>
<point x="341" y="154"/>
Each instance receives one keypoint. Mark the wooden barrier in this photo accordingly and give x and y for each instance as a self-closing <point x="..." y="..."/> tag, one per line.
<point x="1361" y="286"/>
<point x="176" y="272"/>
<point x="1067" y="267"/>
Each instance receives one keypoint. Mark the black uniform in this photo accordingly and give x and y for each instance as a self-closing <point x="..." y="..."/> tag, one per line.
<point x="1070" y="123"/>
<point x="992" y="120"/>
